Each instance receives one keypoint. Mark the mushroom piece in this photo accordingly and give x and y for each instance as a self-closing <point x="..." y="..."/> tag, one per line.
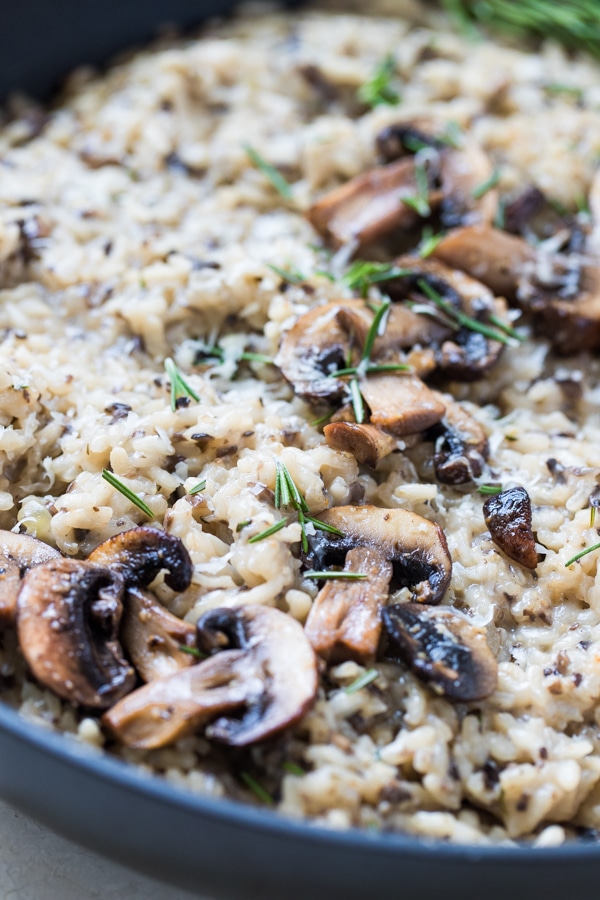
<point x="443" y="649"/>
<point x="68" y="616"/>
<point x="416" y="547"/>
<point x="461" y="445"/>
<point x="138" y="555"/>
<point x="18" y="553"/>
<point x="508" y="517"/>
<point x="467" y="355"/>
<point x="369" y="206"/>
<point x="266" y="678"/>
<point x="401" y="404"/>
<point x="366" y="442"/>
<point x="344" y="621"/>
<point x="153" y="637"/>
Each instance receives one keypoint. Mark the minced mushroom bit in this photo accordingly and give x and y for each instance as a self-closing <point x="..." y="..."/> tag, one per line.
<point x="300" y="418"/>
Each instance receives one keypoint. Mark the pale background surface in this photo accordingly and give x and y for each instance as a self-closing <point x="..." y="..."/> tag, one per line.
<point x="36" y="864"/>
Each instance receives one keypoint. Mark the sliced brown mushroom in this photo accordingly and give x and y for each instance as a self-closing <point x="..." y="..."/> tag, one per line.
<point x="267" y="680"/>
<point x="344" y="621"/>
<point x="443" y="649"/>
<point x="415" y="546"/>
<point x="366" y="442"/>
<point x="18" y="553"/>
<point x="493" y="257"/>
<point x="461" y="446"/>
<point x="68" y="619"/>
<point x="138" y="555"/>
<point x="508" y="517"/>
<point x="401" y="404"/>
<point x="153" y="637"/>
<point x="368" y="206"/>
<point x="467" y="355"/>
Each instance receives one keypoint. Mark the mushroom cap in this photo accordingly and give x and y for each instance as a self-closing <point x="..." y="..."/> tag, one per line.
<point x="443" y="649"/>
<point x="401" y="404"/>
<point x="416" y="547"/>
<point x="268" y="679"/>
<point x="68" y="615"/>
<point x="152" y="636"/>
<point x="139" y="554"/>
<point x="366" y="442"/>
<point x="18" y="553"/>
<point x="508" y="517"/>
<point x="461" y="445"/>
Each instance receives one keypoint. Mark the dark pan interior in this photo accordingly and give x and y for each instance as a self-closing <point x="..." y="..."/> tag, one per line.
<point x="220" y="847"/>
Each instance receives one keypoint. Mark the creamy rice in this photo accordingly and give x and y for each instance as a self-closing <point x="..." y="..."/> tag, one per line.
<point x="134" y="228"/>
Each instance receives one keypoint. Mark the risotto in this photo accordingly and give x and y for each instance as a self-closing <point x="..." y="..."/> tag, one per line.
<point x="300" y="417"/>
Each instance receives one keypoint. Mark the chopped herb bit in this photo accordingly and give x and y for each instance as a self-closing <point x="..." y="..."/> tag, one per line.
<point x="270" y="172"/>
<point x="371" y="368"/>
<point x="331" y="574"/>
<point x="248" y="356"/>
<point x="376" y="329"/>
<point x="453" y="135"/>
<point x="243" y="524"/>
<point x="461" y="317"/>
<point x="321" y="420"/>
<point x="291" y="276"/>
<point x="582" y="205"/>
<point x="361" y="275"/>
<point x="489" y="489"/>
<point x="292" y="769"/>
<point x="325" y="274"/>
<point x="377" y="91"/>
<point x="429" y="242"/>
<point x="193" y="651"/>
<point x="127" y="492"/>
<point x="500" y="214"/>
<point x="268" y="531"/>
<point x="461" y="16"/>
<point x="482" y="189"/>
<point x="592" y="516"/>
<point x="556" y="87"/>
<point x="324" y="526"/>
<point x="197" y="487"/>
<point x="357" y="401"/>
<point x="257" y="789"/>
<point x="582" y="553"/>
<point x="505" y="328"/>
<point x="179" y="385"/>
<point x="420" y="203"/>
<point x="362" y="681"/>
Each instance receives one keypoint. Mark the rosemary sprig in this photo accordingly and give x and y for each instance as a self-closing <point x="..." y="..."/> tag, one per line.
<point x="357" y="401"/>
<point x="321" y="420"/>
<point x="362" y="681"/>
<point x="127" y="492"/>
<point x="429" y="242"/>
<point x="489" y="489"/>
<point x="257" y="788"/>
<point x="179" y="386"/>
<point x="292" y="769"/>
<point x="289" y="275"/>
<point x="243" y="524"/>
<point x="213" y="351"/>
<point x="481" y="190"/>
<point x="377" y="91"/>
<point x="272" y="174"/>
<point x="361" y="275"/>
<point x="193" y="651"/>
<point x="324" y="526"/>
<point x="461" y="317"/>
<point x="268" y="531"/>
<point x="330" y="574"/>
<point x="592" y="516"/>
<point x="288" y="495"/>
<point x="494" y="320"/>
<point x="556" y="87"/>
<point x="197" y="488"/>
<point x="582" y="553"/>
<point x="420" y="202"/>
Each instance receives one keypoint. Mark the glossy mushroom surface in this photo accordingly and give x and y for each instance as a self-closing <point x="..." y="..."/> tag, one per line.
<point x="18" y="554"/>
<point x="508" y="517"/>
<point x="139" y="554"/>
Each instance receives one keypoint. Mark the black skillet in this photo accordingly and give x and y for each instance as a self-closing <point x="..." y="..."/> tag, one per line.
<point x="222" y="848"/>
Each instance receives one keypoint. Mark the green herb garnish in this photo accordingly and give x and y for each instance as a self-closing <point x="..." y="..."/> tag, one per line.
<point x="321" y="420"/>
<point x="461" y="317"/>
<point x="270" y="172"/>
<point x="193" y="651"/>
<point x="127" y="492"/>
<point x="243" y="524"/>
<point x="362" y="681"/>
<point x="453" y="135"/>
<point x="179" y="386"/>
<point x="478" y="192"/>
<point x="268" y="531"/>
<point x="331" y="574"/>
<point x="287" y="494"/>
<point x="361" y="275"/>
<point x="420" y="202"/>
<point x="429" y="242"/>
<point x="592" y="516"/>
<point x="356" y="400"/>
<point x="257" y="788"/>
<point x="556" y="87"/>
<point x="215" y="352"/>
<point x="489" y="489"/>
<point x="377" y="91"/>
<point x="293" y="769"/>
<point x="290" y="275"/>
<point x="495" y="320"/>
<point x="197" y="488"/>
<point x="582" y="553"/>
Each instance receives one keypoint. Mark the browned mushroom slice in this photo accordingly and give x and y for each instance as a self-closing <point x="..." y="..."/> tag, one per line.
<point x="366" y="442"/>
<point x="18" y="553"/>
<point x="138" y="555"/>
<point x="443" y="649"/>
<point x="508" y="517"/>
<point x="344" y="621"/>
<point x="461" y="445"/>
<point x="68" y="618"/>
<point x="153" y="637"/>
<point x="316" y="346"/>
<point x="369" y="206"/>
<point x="467" y="354"/>
<point x="493" y="257"/>
<point x="415" y="546"/>
<point x="267" y="680"/>
<point x="401" y="404"/>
